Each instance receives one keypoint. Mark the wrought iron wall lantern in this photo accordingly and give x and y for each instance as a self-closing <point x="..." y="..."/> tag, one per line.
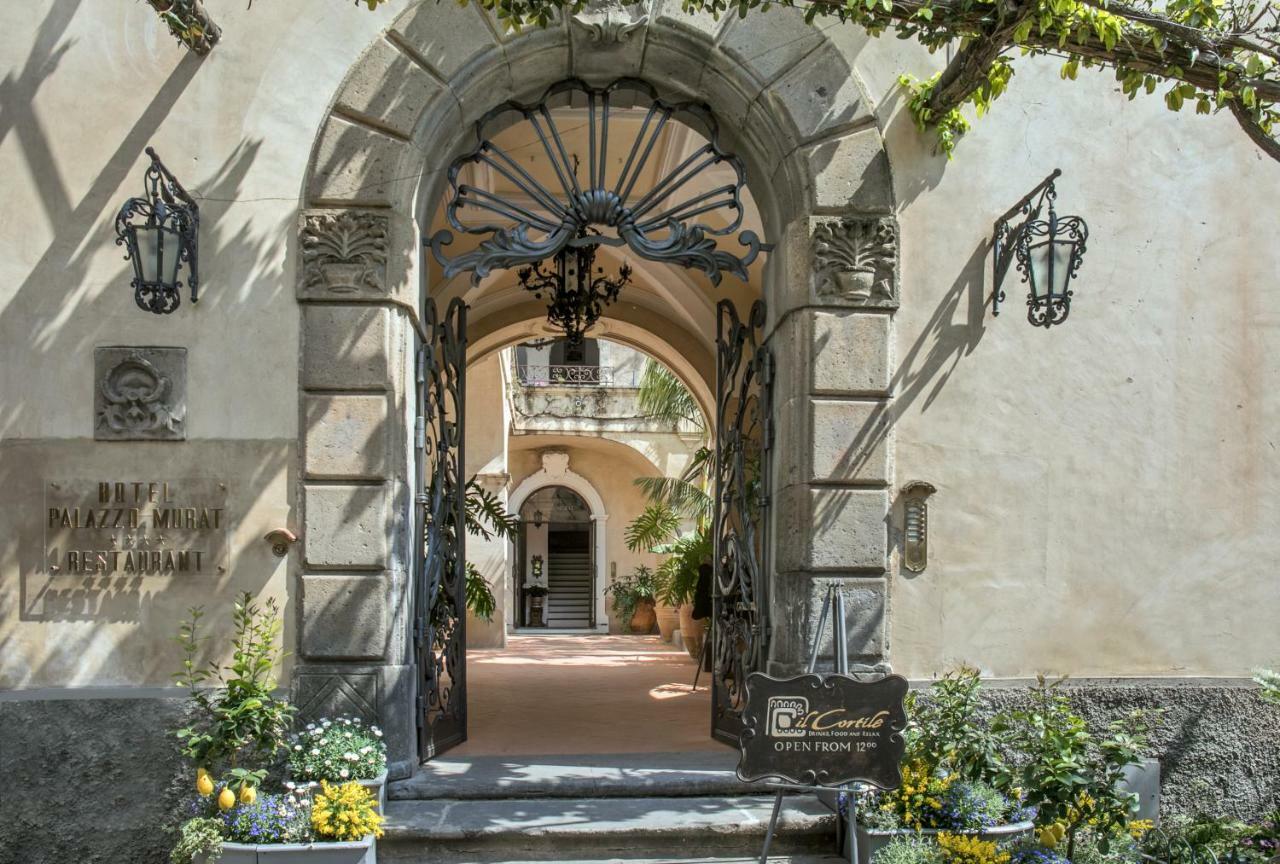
<point x="1048" y="251"/>
<point x="160" y="232"/>
<point x="577" y="291"/>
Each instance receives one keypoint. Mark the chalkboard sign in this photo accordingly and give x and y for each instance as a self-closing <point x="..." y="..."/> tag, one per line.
<point x="823" y="730"/>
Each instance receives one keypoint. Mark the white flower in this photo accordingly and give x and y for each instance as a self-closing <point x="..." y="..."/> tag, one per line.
<point x="377" y="731"/>
<point x="343" y="773"/>
<point x="311" y="725"/>
<point x="315" y="751"/>
<point x="365" y="749"/>
<point x="351" y="757"/>
<point x="323" y="742"/>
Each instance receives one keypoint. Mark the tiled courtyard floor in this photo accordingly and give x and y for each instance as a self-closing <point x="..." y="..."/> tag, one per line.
<point x="553" y="695"/>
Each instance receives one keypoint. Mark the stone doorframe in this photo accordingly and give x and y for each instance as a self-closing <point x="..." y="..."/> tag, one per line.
<point x="555" y="471"/>
<point x="799" y="116"/>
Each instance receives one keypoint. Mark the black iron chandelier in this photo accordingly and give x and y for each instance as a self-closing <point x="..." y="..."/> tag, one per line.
<point x="577" y="290"/>
<point x="1048" y="251"/>
<point x="160" y="232"/>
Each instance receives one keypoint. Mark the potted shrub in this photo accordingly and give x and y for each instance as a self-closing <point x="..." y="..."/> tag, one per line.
<point x="340" y="750"/>
<point x="237" y="732"/>
<point x="954" y="779"/>
<point x="633" y="599"/>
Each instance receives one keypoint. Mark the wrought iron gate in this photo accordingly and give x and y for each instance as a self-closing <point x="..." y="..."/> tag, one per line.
<point x="440" y="618"/>
<point x="739" y="621"/>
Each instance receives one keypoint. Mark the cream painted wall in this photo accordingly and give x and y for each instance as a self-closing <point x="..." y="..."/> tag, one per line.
<point x="86" y="86"/>
<point x="1108" y="491"/>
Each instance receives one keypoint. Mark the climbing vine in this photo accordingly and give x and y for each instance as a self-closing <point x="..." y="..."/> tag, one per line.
<point x="1210" y="55"/>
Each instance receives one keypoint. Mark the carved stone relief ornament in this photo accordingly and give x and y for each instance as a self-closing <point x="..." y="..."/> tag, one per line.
<point x="610" y="22"/>
<point x="141" y="394"/>
<point x="855" y="259"/>
<point x="345" y="253"/>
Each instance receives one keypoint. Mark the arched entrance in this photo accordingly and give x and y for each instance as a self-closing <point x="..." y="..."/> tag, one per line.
<point x="560" y="501"/>
<point x="805" y="129"/>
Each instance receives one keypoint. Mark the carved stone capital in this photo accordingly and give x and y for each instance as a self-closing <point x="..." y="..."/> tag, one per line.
<point x="344" y="254"/>
<point x="855" y="261"/>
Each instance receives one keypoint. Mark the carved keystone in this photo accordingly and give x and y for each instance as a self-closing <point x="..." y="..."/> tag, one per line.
<point x="855" y="261"/>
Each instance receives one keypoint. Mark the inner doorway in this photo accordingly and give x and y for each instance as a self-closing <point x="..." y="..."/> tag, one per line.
<point x="556" y="578"/>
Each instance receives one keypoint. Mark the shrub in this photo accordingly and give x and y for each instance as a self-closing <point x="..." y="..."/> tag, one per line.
<point x="970" y="806"/>
<point x="199" y="836"/>
<point x="948" y="730"/>
<point x="337" y="750"/>
<point x="908" y="849"/>
<point x="345" y="812"/>
<point x="967" y="849"/>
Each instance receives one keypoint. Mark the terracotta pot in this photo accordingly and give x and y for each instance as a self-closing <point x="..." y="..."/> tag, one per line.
<point x="691" y="632"/>
<point x="643" y="619"/>
<point x="668" y="618"/>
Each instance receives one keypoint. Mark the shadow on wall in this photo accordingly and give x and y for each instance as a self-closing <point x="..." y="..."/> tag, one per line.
<point x="925" y="369"/>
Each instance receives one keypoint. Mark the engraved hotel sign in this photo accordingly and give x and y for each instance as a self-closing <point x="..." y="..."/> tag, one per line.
<point x="135" y="527"/>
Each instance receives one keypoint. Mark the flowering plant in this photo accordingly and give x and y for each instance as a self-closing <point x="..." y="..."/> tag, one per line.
<point x="341" y="749"/>
<point x="967" y="849"/>
<point x="346" y="812"/>
<point x="270" y="818"/>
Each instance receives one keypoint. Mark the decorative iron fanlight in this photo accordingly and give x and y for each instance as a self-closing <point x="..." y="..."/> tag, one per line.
<point x="1048" y="251"/>
<point x="577" y="291"/>
<point x="528" y="222"/>
<point x="160" y="233"/>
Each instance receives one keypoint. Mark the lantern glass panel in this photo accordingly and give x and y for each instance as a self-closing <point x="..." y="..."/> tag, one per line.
<point x="1050" y="268"/>
<point x="159" y="254"/>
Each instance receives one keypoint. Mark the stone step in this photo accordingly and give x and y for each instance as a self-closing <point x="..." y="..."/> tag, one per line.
<point x="568" y="829"/>
<point x="705" y="773"/>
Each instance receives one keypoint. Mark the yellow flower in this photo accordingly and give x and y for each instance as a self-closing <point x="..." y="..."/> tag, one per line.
<point x="346" y="812"/>
<point x="1139" y="827"/>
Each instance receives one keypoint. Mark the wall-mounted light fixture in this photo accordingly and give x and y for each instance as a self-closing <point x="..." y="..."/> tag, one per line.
<point x="1048" y="251"/>
<point x="537" y="518"/>
<point x="160" y="232"/>
<point x="915" y="525"/>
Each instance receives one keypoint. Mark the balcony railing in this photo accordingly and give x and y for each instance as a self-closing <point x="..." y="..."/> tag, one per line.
<point x="547" y="375"/>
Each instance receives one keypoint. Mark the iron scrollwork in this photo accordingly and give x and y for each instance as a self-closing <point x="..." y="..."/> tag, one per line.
<point x="535" y="223"/>
<point x="440" y="590"/>
<point x="740" y="629"/>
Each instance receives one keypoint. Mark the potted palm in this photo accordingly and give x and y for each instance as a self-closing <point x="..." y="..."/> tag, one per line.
<point x="633" y="599"/>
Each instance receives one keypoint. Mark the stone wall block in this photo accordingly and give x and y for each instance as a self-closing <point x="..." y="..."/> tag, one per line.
<point x="446" y="36"/>
<point x="347" y="526"/>
<point x="347" y="437"/>
<point x="850" y="172"/>
<point x="768" y="45"/>
<point x="381" y="693"/>
<point x="797" y="607"/>
<point x="851" y="353"/>
<point x="390" y="88"/>
<point x="850" y="440"/>
<point x="831" y="528"/>
<point x="358" y="165"/>
<point x="344" y="616"/>
<point x="700" y="25"/>
<point x="821" y="93"/>
<point x="346" y="347"/>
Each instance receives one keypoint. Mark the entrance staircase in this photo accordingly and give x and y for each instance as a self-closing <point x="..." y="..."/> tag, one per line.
<point x="570" y="590"/>
<point x="638" y="808"/>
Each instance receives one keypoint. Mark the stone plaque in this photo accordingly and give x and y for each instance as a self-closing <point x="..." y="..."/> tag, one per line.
<point x="140" y="394"/>
<point x="823" y="730"/>
<point x="135" y="527"/>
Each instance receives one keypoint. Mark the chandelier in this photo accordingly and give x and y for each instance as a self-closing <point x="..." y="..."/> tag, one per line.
<point x="577" y="291"/>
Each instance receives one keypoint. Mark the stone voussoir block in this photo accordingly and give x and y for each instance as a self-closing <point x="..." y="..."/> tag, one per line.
<point x="358" y="165"/>
<point x="344" y="616"/>
<point x="850" y="172"/>
<point x="821" y="94"/>
<point x="347" y="526"/>
<point x="397" y="105"/>
<point x="347" y="436"/>
<point x="346" y="347"/>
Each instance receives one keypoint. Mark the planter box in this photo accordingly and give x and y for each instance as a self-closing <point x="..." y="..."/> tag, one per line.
<point x="363" y="852"/>
<point x="869" y="840"/>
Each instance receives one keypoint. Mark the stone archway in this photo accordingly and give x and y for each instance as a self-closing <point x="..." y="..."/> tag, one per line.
<point x="806" y="128"/>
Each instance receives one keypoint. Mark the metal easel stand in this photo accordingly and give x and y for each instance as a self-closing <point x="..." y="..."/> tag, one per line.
<point x="834" y="599"/>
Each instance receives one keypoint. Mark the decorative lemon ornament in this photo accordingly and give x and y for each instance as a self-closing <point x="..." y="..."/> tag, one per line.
<point x="226" y="799"/>
<point x="247" y="794"/>
<point x="204" y="783"/>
